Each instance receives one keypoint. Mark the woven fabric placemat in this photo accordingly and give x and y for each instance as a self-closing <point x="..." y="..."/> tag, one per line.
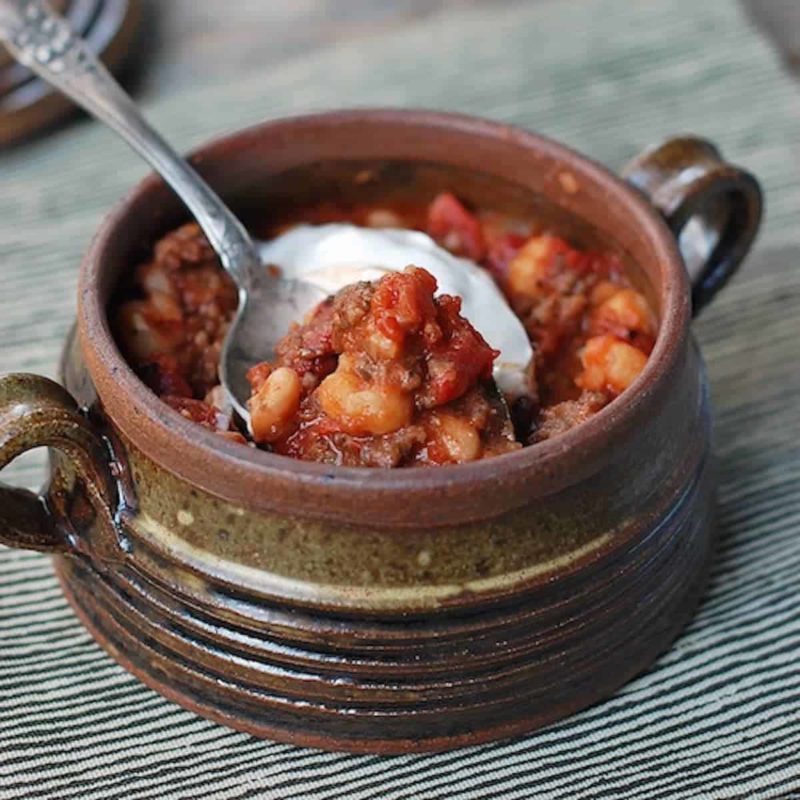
<point x="719" y="715"/>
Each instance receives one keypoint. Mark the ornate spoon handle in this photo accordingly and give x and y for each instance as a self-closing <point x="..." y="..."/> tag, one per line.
<point x="44" y="42"/>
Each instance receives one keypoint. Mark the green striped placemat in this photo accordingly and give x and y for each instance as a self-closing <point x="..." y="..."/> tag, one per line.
<point x="719" y="715"/>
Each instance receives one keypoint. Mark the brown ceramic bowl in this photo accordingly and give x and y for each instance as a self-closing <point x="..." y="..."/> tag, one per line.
<point x="391" y="611"/>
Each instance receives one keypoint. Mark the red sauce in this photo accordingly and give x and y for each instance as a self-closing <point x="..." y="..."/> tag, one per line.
<point x="387" y="374"/>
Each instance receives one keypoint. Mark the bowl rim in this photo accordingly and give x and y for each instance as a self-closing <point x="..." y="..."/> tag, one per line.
<point x="357" y="494"/>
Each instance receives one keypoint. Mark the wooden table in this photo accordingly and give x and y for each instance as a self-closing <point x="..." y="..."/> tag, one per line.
<point x="192" y="39"/>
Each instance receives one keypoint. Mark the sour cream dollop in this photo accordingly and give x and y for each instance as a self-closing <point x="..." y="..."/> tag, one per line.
<point x="335" y="255"/>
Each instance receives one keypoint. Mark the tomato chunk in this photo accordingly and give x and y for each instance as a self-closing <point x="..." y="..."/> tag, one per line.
<point x="456" y="228"/>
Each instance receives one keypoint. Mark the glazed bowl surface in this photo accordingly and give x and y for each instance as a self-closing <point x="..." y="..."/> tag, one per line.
<point x="391" y="610"/>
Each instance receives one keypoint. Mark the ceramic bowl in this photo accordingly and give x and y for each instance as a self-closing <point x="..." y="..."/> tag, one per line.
<point x="391" y="610"/>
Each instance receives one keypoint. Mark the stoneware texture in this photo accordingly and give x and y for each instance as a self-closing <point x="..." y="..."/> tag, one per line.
<point x="407" y="610"/>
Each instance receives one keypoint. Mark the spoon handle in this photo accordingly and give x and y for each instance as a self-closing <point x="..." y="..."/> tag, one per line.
<point x="44" y="42"/>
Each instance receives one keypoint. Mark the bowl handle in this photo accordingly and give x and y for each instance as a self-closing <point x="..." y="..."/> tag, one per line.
<point x="37" y="412"/>
<point x="712" y="207"/>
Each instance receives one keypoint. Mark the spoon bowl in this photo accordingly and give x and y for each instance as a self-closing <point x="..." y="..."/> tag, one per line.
<point x="266" y="311"/>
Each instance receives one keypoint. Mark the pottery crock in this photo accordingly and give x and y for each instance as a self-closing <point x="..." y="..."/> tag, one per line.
<point x="406" y="610"/>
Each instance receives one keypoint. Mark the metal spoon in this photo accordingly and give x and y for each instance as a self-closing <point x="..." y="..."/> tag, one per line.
<point x="44" y="42"/>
